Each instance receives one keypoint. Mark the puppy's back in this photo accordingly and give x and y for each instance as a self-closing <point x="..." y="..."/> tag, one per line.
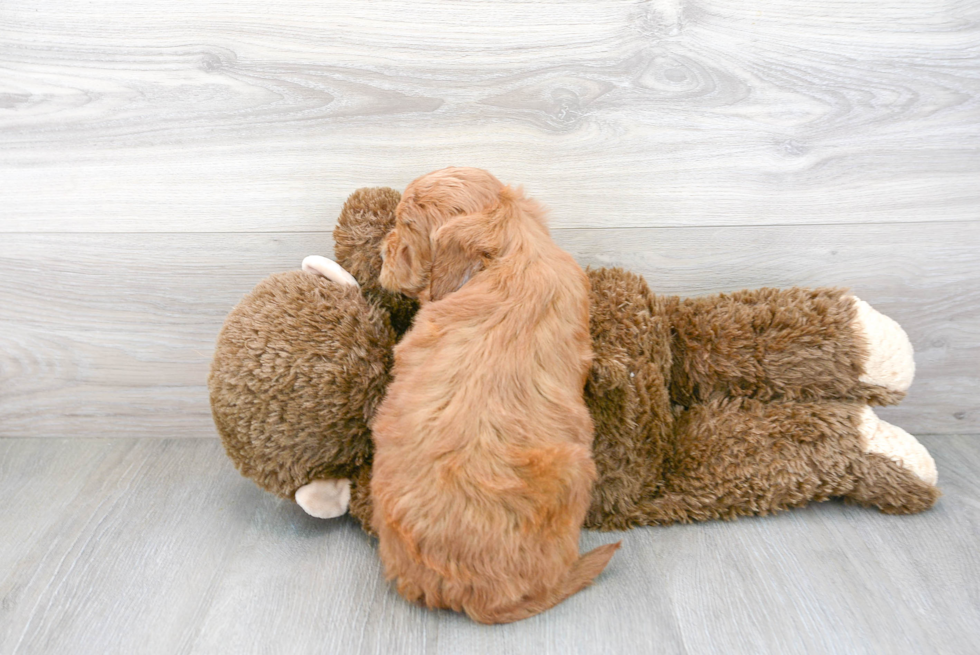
<point x="483" y="465"/>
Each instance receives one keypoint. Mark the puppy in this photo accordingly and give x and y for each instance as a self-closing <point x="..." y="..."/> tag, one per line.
<point x="483" y="467"/>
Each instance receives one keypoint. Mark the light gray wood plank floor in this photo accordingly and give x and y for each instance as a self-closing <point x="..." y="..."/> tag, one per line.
<point x="158" y="546"/>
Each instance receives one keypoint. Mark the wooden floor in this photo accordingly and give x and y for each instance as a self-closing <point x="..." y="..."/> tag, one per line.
<point x="158" y="546"/>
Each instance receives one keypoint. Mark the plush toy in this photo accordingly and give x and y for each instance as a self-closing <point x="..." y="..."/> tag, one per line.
<point x="712" y="407"/>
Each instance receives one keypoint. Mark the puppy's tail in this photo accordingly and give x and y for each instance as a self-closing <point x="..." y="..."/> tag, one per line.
<point x="579" y="575"/>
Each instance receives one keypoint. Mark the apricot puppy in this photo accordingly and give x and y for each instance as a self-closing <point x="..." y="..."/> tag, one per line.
<point x="483" y="467"/>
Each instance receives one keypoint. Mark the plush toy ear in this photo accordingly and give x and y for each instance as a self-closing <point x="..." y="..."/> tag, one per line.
<point x="460" y="249"/>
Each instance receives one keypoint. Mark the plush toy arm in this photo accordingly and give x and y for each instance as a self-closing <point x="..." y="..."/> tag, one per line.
<point x="329" y="269"/>
<point x="787" y="344"/>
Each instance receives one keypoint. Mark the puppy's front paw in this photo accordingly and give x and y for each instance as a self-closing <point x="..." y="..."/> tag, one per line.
<point x="329" y="269"/>
<point x="324" y="499"/>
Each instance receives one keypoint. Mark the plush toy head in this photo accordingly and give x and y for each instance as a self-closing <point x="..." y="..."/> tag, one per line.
<point x="300" y="367"/>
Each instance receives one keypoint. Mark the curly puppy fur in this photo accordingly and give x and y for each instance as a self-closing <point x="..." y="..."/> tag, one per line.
<point x="482" y="465"/>
<point x="690" y="398"/>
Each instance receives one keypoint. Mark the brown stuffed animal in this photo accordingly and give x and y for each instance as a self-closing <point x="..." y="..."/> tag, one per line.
<point x="714" y="407"/>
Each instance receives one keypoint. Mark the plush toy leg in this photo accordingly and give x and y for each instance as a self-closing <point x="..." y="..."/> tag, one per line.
<point x="896" y="444"/>
<point x="895" y="474"/>
<point x="738" y="457"/>
<point x="324" y="499"/>
<point x="892" y="488"/>
<point x="787" y="344"/>
<point x="889" y="363"/>
<point x="329" y="269"/>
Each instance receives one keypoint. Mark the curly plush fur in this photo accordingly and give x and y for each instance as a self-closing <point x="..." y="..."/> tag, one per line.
<point x="301" y="366"/>
<point x="367" y="217"/>
<point x="713" y="407"/>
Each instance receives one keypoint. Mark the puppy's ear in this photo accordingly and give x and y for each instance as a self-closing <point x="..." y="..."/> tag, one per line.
<point x="460" y="249"/>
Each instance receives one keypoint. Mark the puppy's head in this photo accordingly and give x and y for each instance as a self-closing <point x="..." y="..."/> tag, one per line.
<point x="443" y="233"/>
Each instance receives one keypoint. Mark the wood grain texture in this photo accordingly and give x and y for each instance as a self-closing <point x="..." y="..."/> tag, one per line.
<point x="158" y="546"/>
<point x="157" y="160"/>
<point x="120" y="115"/>
<point x="112" y="335"/>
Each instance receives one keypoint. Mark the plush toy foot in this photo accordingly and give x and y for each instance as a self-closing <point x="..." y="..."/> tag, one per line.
<point x="329" y="269"/>
<point x="897" y="445"/>
<point x="324" y="499"/>
<point x="890" y="363"/>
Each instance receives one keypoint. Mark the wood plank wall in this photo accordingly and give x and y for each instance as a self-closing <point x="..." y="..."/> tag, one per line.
<point x="159" y="159"/>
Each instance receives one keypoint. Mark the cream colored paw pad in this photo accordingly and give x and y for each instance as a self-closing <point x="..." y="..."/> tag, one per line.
<point x="897" y="445"/>
<point x="890" y="359"/>
<point x="324" y="499"/>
